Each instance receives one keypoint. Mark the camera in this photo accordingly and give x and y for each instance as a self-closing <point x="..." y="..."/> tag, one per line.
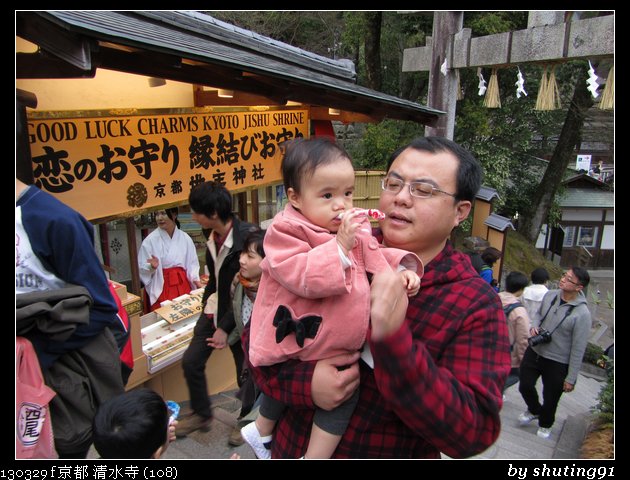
<point x="543" y="336"/>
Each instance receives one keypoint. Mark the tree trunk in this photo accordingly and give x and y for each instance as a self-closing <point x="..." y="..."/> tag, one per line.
<point x="373" y="21"/>
<point x="563" y="154"/>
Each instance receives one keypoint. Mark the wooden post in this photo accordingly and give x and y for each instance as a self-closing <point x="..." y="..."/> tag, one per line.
<point x="102" y="234"/>
<point x="242" y="205"/>
<point x="23" y="165"/>
<point x="133" y="255"/>
<point x="270" y="210"/>
<point x="255" y="216"/>
<point x="443" y="89"/>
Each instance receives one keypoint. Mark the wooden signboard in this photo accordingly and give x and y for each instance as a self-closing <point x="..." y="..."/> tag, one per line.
<point x="181" y="309"/>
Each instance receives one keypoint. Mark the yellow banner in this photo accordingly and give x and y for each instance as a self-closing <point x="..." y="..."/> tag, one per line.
<point x="109" y="166"/>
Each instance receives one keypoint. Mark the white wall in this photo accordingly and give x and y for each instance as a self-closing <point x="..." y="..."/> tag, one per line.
<point x="540" y="241"/>
<point x="610" y="215"/>
<point x="572" y="215"/>
<point x="608" y="238"/>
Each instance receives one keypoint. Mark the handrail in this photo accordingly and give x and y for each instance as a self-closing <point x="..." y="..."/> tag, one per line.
<point x="586" y="250"/>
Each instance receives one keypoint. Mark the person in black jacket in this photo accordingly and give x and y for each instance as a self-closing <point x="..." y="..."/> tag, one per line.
<point x="211" y="205"/>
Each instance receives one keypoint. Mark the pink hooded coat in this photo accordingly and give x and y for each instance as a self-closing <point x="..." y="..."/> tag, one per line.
<point x="302" y="271"/>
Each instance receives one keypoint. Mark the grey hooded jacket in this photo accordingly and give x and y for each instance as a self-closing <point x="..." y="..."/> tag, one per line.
<point x="568" y="342"/>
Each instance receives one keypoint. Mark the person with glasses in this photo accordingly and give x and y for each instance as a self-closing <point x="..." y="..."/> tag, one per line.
<point x="313" y="300"/>
<point x="555" y="353"/>
<point x="440" y="358"/>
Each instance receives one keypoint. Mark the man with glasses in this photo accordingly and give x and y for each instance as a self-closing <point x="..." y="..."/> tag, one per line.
<point x="559" y="334"/>
<point x="440" y="358"/>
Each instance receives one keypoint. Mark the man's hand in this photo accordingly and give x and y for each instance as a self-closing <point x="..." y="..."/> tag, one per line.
<point x="388" y="304"/>
<point x="568" y="387"/>
<point x="330" y="387"/>
<point x="218" y="340"/>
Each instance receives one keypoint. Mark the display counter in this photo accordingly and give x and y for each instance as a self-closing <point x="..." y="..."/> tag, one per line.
<point x="158" y="346"/>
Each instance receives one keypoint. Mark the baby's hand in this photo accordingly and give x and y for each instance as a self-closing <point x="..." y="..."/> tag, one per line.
<point x="348" y="228"/>
<point x="171" y="430"/>
<point x="411" y="281"/>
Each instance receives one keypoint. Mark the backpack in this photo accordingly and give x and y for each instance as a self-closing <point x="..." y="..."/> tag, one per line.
<point x="507" y="310"/>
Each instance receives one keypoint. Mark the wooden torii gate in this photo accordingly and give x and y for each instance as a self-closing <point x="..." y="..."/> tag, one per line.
<point x="550" y="36"/>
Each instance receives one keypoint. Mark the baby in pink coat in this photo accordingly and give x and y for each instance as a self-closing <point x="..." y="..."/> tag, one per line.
<point x="314" y="294"/>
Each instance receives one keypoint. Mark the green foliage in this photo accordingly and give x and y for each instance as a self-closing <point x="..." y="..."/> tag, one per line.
<point x="555" y="214"/>
<point x="593" y="353"/>
<point x="501" y="140"/>
<point x="399" y="32"/>
<point x="380" y="141"/>
<point x="488" y="23"/>
<point x="354" y="28"/>
<point x="605" y="408"/>
<point x="610" y="300"/>
<point x="352" y="41"/>
<point x="318" y="31"/>
<point x="520" y="255"/>
<point x="513" y="141"/>
<point x="595" y="298"/>
<point x="465" y="227"/>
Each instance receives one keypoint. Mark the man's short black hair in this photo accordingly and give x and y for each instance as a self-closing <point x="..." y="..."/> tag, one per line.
<point x="469" y="172"/>
<point x="209" y="198"/>
<point x="515" y="281"/>
<point x="540" y="275"/>
<point x="582" y="275"/>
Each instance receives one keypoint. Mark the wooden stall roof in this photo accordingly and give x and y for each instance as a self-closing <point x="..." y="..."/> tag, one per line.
<point x="487" y="193"/>
<point x="499" y="222"/>
<point x="196" y="48"/>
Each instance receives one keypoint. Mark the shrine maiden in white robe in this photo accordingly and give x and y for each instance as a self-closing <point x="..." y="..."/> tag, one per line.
<point x="178" y="251"/>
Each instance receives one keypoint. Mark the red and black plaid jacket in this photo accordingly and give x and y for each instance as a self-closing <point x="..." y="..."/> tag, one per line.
<point x="437" y="382"/>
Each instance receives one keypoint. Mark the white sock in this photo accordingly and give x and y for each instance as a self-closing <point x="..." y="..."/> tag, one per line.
<point x="260" y="445"/>
<point x="266" y="440"/>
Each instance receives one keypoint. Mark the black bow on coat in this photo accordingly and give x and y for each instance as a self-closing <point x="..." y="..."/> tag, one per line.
<point x="305" y="327"/>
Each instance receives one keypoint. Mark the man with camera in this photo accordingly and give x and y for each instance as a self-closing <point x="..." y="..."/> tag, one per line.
<point x="559" y="334"/>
